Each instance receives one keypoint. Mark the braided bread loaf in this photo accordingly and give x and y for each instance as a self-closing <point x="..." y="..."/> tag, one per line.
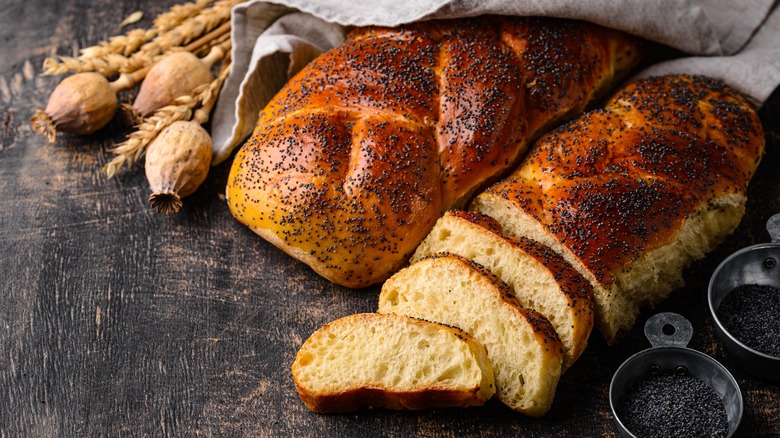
<point x="355" y="159"/>
<point x="633" y="193"/>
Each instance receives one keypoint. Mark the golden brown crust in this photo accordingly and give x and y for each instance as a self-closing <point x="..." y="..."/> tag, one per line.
<point x="478" y="219"/>
<point x="355" y="159"/>
<point x="481" y="128"/>
<point x="619" y="182"/>
<point x="566" y="64"/>
<point x="355" y="217"/>
<point x="362" y="398"/>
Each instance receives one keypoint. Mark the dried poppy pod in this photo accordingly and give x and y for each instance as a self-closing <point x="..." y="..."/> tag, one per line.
<point x="81" y="104"/>
<point x="85" y="102"/>
<point x="177" y="74"/>
<point x="177" y="162"/>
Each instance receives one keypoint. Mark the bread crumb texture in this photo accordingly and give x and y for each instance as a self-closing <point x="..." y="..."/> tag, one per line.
<point x="373" y="360"/>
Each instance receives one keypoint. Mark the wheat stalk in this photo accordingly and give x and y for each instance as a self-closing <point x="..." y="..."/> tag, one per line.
<point x="177" y="14"/>
<point x="107" y="65"/>
<point x="210" y="96"/>
<point x="118" y="44"/>
<point x="132" y="149"/>
<point x="187" y="31"/>
<point x="107" y="57"/>
<point x="199" y="103"/>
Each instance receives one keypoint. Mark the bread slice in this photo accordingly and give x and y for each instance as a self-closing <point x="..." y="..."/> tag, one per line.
<point x="541" y="279"/>
<point x="390" y="361"/>
<point x="522" y="345"/>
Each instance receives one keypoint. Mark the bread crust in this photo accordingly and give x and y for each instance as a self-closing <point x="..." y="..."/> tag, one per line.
<point x="389" y="398"/>
<point x="353" y="161"/>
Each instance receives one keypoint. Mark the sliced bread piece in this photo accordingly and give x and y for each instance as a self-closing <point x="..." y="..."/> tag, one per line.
<point x="522" y="345"/>
<point x="391" y="361"/>
<point x="541" y="279"/>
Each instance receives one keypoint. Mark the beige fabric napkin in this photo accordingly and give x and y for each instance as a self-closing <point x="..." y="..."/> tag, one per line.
<point x="737" y="41"/>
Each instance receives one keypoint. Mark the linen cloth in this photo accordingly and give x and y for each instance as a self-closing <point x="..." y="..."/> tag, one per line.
<point x="737" y="41"/>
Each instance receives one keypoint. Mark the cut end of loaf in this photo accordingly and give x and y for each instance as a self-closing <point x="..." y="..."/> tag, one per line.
<point x="166" y="202"/>
<point x="390" y="361"/>
<point x="644" y="281"/>
<point x="653" y="276"/>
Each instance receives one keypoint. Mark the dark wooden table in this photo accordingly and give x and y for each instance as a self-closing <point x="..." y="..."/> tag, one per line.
<point x="118" y="321"/>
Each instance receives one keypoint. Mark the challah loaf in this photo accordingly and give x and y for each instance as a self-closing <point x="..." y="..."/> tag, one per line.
<point x="632" y="193"/>
<point x="522" y="345"/>
<point x="372" y="360"/>
<point x="541" y="279"/>
<point x="355" y="159"/>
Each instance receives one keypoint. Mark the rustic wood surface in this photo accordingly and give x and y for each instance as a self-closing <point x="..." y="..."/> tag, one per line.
<point x="117" y="321"/>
